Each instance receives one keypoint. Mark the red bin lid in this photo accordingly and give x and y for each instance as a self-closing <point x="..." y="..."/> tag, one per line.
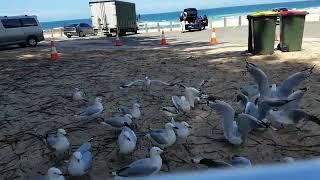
<point x="293" y="13"/>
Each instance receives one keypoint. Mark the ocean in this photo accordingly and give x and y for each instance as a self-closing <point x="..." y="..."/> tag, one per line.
<point x="214" y="13"/>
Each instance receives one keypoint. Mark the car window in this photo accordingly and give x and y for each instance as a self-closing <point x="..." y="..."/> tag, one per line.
<point x="27" y="22"/>
<point x="87" y="25"/>
<point x="82" y="25"/>
<point x="11" y="23"/>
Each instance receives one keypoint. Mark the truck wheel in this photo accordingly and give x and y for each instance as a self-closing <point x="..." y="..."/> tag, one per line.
<point x="32" y="41"/>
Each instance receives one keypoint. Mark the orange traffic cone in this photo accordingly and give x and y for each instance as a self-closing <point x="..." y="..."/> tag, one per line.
<point x="213" y="39"/>
<point x="163" y="39"/>
<point x="118" y="42"/>
<point x="54" y="53"/>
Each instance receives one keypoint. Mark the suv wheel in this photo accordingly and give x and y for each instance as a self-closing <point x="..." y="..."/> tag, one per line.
<point x="81" y="34"/>
<point x="69" y="36"/>
<point x="32" y="41"/>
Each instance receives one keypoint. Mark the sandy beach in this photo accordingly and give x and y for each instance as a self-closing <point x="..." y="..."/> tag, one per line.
<point x="36" y="98"/>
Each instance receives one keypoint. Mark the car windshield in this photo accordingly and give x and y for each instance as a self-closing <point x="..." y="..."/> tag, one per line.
<point x="72" y="25"/>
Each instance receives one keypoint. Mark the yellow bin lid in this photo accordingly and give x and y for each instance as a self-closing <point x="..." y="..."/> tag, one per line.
<point x="264" y="13"/>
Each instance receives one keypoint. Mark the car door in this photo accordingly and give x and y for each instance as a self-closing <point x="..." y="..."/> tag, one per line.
<point x="89" y="29"/>
<point x="30" y="27"/>
<point x="83" y="28"/>
<point x="13" y="31"/>
<point x="2" y="34"/>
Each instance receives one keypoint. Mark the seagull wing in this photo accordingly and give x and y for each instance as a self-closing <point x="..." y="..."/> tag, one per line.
<point x="91" y="110"/>
<point x="136" y="82"/>
<point x="138" y="168"/>
<point x="260" y="78"/>
<point x="176" y="102"/>
<point x="87" y="160"/>
<point x="293" y="81"/>
<point x="159" y="135"/>
<point x="296" y="98"/>
<point x="161" y="82"/>
<point x="227" y="113"/>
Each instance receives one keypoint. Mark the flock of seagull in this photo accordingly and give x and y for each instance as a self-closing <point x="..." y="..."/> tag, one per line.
<point x="262" y="105"/>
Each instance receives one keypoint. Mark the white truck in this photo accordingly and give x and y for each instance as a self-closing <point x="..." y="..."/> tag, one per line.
<point x="112" y="16"/>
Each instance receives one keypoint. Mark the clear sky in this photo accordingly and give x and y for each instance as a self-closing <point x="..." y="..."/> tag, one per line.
<point x="51" y="10"/>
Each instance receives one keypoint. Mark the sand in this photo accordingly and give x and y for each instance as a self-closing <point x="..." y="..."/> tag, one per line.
<point x="36" y="98"/>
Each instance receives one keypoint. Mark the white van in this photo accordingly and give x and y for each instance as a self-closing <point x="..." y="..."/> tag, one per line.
<point x="21" y="30"/>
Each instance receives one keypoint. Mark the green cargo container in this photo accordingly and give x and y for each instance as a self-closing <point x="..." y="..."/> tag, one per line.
<point x="262" y="28"/>
<point x="291" y="30"/>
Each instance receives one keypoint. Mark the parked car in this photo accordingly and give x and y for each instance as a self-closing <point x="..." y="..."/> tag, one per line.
<point x="194" y="22"/>
<point x="21" y="30"/>
<point x="81" y="30"/>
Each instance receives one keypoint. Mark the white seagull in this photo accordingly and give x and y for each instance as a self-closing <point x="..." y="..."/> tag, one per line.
<point x="93" y="110"/>
<point x="146" y="83"/>
<point x="78" y="95"/>
<point x="163" y="137"/>
<point x="143" y="167"/>
<point x="58" y="143"/>
<point x="183" y="128"/>
<point x="127" y="141"/>
<point x="81" y="161"/>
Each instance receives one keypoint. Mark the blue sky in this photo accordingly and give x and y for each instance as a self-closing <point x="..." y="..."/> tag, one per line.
<point x="51" y="10"/>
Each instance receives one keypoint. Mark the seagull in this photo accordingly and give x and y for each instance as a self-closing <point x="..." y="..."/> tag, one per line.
<point x="93" y="110"/>
<point x="143" y="167"/>
<point x="127" y="141"/>
<point x="183" y="128"/>
<point x="235" y="132"/>
<point x="58" y="143"/>
<point x="81" y="161"/>
<point x="78" y="95"/>
<point x="134" y="111"/>
<point x="54" y="174"/>
<point x="273" y="91"/>
<point x="119" y="121"/>
<point x="192" y="94"/>
<point x="163" y="137"/>
<point x="236" y="161"/>
<point x="181" y="103"/>
<point x="146" y="82"/>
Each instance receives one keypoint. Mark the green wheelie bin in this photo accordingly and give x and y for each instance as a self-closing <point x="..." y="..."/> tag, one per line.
<point x="262" y="29"/>
<point x="291" y="30"/>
